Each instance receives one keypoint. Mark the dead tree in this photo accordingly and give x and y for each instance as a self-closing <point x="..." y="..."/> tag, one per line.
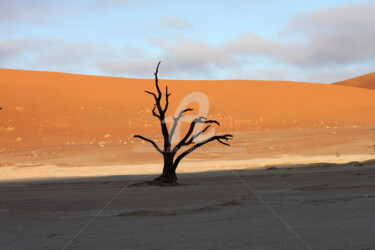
<point x="169" y="152"/>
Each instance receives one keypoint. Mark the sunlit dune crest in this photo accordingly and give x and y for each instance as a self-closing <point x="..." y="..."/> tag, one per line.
<point x="365" y="81"/>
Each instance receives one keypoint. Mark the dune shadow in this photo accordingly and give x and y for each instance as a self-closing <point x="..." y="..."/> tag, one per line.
<point x="320" y="165"/>
<point x="185" y="179"/>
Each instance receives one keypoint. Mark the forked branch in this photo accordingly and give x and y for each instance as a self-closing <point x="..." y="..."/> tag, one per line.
<point x="189" y="133"/>
<point x="218" y="138"/>
<point x="175" y="121"/>
<point x="157" y="96"/>
<point x="191" y="140"/>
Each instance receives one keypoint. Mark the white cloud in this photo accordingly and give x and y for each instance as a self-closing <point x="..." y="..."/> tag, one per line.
<point x="175" y="22"/>
<point x="53" y="54"/>
<point x="250" y="43"/>
<point x="131" y="67"/>
<point x="337" y="35"/>
<point x="15" y="10"/>
<point x="324" y="45"/>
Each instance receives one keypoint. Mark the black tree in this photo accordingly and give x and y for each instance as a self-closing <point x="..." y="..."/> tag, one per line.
<point x="171" y="160"/>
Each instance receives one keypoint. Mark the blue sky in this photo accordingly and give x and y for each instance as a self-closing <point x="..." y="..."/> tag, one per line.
<point x="314" y="41"/>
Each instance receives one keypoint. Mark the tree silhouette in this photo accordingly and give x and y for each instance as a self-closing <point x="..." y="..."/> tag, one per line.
<point x="171" y="160"/>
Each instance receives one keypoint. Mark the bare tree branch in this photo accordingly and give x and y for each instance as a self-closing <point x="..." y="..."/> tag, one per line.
<point x="160" y="114"/>
<point x="153" y="94"/>
<point x="190" y="131"/>
<point x="154" y="113"/>
<point x="157" y="81"/>
<point x="157" y="96"/>
<point x="218" y="138"/>
<point x="175" y="123"/>
<point x="162" y="111"/>
<point x="226" y="144"/>
<point x="197" y="135"/>
<point x="166" y="99"/>
<point x="150" y="141"/>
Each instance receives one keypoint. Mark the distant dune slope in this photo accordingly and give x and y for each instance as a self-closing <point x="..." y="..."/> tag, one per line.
<point x="365" y="81"/>
<point x="46" y="108"/>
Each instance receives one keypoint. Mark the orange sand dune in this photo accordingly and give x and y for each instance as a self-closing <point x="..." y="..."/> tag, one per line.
<point x="365" y="81"/>
<point x="46" y="108"/>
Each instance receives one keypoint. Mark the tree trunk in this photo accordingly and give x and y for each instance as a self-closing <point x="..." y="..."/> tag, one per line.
<point x="169" y="172"/>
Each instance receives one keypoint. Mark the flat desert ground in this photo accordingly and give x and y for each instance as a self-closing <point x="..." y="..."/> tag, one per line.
<point x="299" y="173"/>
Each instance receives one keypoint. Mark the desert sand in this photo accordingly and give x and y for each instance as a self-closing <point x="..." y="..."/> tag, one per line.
<point x="366" y="81"/>
<point x="79" y="120"/>
<point x="299" y="173"/>
<point x="46" y="108"/>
